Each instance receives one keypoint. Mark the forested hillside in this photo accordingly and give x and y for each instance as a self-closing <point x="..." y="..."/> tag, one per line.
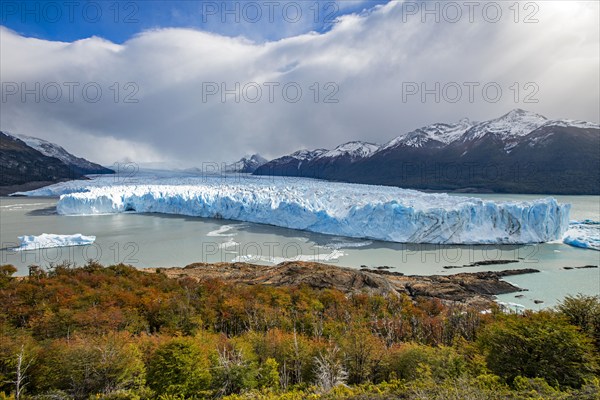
<point x="120" y="333"/>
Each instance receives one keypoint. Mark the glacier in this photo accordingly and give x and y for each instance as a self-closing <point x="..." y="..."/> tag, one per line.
<point x="584" y="234"/>
<point x="49" y="240"/>
<point x="351" y="210"/>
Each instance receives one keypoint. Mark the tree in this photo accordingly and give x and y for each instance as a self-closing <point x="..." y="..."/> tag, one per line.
<point x="268" y="374"/>
<point x="538" y="345"/>
<point x="584" y="312"/>
<point x="18" y="358"/>
<point x="362" y="354"/>
<point x="179" y="368"/>
<point x="84" y="366"/>
<point x="6" y="272"/>
<point x="330" y="370"/>
<point x="233" y="372"/>
<point x="21" y="372"/>
<point x="407" y="360"/>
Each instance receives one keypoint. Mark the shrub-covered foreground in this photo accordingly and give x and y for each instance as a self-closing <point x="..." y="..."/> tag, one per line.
<point x="118" y="333"/>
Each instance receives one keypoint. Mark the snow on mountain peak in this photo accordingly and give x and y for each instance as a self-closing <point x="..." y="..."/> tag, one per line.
<point x="253" y="159"/>
<point x="47" y="148"/>
<point x="441" y="132"/>
<point x="305" y="154"/>
<point x="513" y="124"/>
<point x="50" y="149"/>
<point x="355" y="149"/>
<point x="247" y="164"/>
<point x="572" y="123"/>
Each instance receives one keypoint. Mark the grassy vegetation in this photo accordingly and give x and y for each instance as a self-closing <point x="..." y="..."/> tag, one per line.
<point x="118" y="333"/>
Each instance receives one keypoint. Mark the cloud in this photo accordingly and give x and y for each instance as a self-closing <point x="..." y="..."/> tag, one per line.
<point x="157" y="100"/>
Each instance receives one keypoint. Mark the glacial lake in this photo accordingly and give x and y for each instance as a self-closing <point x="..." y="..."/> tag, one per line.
<point x="156" y="240"/>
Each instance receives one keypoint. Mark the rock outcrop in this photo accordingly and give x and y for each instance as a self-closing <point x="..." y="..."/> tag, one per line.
<point x="477" y="288"/>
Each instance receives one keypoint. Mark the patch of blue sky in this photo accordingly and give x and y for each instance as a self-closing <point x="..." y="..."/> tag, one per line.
<point x="118" y="21"/>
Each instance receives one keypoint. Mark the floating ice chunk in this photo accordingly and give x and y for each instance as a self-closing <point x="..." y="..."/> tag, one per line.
<point x="48" y="240"/>
<point x="222" y="231"/>
<point x="584" y="234"/>
<point x="318" y="257"/>
<point x="347" y="245"/>
<point x="228" y="244"/>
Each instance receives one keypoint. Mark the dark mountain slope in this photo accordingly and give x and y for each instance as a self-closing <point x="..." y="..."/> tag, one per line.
<point x="519" y="152"/>
<point x="20" y="164"/>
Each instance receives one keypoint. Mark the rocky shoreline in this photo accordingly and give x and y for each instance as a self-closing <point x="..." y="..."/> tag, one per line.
<point x="476" y="289"/>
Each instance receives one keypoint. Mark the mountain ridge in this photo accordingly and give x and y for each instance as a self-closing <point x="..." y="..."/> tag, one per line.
<point x="247" y="164"/>
<point x="54" y="150"/>
<point x="27" y="166"/>
<point x="518" y="152"/>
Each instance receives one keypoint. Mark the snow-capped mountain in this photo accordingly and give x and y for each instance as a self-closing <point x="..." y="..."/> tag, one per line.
<point x="21" y="164"/>
<point x="438" y="134"/>
<point x="558" y="131"/>
<point x="507" y="128"/>
<point x="35" y="162"/>
<point x="519" y="152"/>
<point x="53" y="150"/>
<point x="247" y="164"/>
<point x="306" y="155"/>
<point x="572" y="123"/>
<point x="353" y="150"/>
<point x="291" y="164"/>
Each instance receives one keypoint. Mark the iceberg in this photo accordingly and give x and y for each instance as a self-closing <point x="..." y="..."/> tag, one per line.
<point x="49" y="240"/>
<point x="350" y="210"/>
<point x="584" y="234"/>
<point x="347" y="245"/>
<point x="222" y="231"/>
<point x="317" y="257"/>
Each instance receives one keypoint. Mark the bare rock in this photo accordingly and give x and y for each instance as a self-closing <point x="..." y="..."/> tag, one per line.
<point x="472" y="288"/>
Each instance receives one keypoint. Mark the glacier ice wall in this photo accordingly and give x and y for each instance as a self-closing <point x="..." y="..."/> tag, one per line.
<point x="360" y="211"/>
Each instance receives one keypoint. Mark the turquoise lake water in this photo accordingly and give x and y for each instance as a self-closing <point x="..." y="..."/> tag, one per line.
<point x="154" y="240"/>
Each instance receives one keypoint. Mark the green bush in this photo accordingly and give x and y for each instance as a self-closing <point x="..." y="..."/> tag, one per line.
<point x="584" y="312"/>
<point x="407" y="361"/>
<point x="85" y="366"/>
<point x="268" y="374"/>
<point x="233" y="372"/>
<point x="179" y="368"/>
<point x="538" y="345"/>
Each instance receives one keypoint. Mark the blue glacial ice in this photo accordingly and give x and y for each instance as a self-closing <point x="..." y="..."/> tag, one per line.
<point x="584" y="234"/>
<point x="50" y="240"/>
<point x="359" y="211"/>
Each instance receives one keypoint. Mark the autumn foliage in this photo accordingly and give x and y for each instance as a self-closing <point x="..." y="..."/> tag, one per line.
<point x="119" y="333"/>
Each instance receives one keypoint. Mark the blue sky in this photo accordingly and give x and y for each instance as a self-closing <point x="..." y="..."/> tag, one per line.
<point x="118" y="21"/>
